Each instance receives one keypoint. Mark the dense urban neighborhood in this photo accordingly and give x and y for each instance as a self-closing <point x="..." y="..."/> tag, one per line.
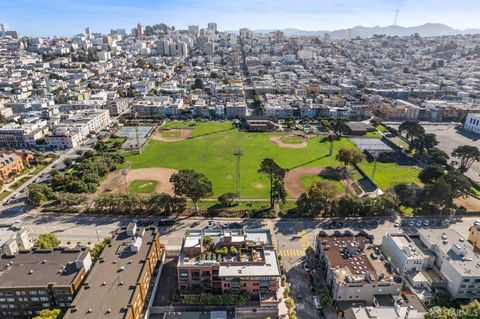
<point x="197" y="173"/>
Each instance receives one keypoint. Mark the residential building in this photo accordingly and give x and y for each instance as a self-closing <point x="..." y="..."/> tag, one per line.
<point x="403" y="253"/>
<point x="39" y="279"/>
<point x="94" y="120"/>
<point x="119" y="282"/>
<point x="61" y="138"/>
<point x="22" y="135"/>
<point x="405" y="306"/>
<point x="10" y="165"/>
<point x="472" y="123"/>
<point x="355" y="272"/>
<point x="474" y="235"/>
<point x="456" y="260"/>
<point x="118" y="107"/>
<point x="208" y="263"/>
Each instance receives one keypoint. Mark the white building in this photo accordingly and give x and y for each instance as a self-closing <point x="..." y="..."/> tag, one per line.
<point x="456" y="259"/>
<point x="403" y="253"/>
<point x="472" y="123"/>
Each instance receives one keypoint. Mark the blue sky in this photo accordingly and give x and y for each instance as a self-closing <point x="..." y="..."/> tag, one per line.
<point x="68" y="17"/>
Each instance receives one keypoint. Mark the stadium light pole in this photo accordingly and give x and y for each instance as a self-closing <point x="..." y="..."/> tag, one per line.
<point x="238" y="153"/>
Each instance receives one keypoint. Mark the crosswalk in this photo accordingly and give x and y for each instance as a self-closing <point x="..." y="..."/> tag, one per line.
<point x="292" y="252"/>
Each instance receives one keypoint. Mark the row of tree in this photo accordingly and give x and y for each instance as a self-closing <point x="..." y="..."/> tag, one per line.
<point x="124" y="204"/>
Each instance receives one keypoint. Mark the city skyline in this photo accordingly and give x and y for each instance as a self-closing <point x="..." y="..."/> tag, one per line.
<point x="68" y="17"/>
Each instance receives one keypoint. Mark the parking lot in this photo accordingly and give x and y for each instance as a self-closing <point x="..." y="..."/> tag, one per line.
<point x="450" y="138"/>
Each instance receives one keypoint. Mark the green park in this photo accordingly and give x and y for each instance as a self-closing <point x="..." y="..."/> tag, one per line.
<point x="210" y="151"/>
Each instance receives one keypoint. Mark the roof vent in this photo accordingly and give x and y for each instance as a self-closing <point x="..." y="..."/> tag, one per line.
<point x="44" y="261"/>
<point x="120" y="283"/>
<point x="104" y="283"/>
<point x="114" y="261"/>
<point x="89" y="310"/>
<point x="130" y="261"/>
<point x="109" y="310"/>
<point x="122" y="268"/>
<point x="30" y="272"/>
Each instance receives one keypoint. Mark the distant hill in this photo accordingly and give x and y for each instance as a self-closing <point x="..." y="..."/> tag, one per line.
<point x="425" y="30"/>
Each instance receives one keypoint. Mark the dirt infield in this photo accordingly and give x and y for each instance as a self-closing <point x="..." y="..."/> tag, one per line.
<point x="116" y="183"/>
<point x="278" y="140"/>
<point x="470" y="203"/>
<point x="184" y="134"/>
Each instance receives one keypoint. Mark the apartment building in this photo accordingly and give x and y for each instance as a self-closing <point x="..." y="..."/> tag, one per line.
<point x="94" y="120"/>
<point x="456" y="260"/>
<point x="118" y="107"/>
<point x="43" y="278"/>
<point x="474" y="235"/>
<point x="355" y="272"/>
<point x="22" y="135"/>
<point x="404" y="253"/>
<point x="399" y="110"/>
<point x="10" y="165"/>
<point x="472" y="123"/>
<point x="61" y="138"/>
<point x="229" y="261"/>
<point x="119" y="282"/>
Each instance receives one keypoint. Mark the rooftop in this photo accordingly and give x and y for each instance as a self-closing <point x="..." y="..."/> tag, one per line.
<point x="459" y="251"/>
<point x="38" y="268"/>
<point x="108" y="289"/>
<point x="353" y="259"/>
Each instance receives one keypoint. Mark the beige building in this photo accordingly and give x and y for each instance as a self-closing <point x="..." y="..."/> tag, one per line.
<point x="474" y="235"/>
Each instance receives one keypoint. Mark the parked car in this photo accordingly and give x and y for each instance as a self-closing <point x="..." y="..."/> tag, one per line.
<point x="195" y="224"/>
<point x="305" y="267"/>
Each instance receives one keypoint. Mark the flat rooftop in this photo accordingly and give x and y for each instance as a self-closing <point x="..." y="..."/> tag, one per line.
<point x="38" y="268"/>
<point x="460" y="252"/>
<point x="407" y="245"/>
<point x="350" y="258"/>
<point x="107" y="290"/>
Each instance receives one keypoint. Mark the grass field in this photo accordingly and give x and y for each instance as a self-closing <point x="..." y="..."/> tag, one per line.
<point x="141" y="186"/>
<point x="179" y="124"/>
<point x="167" y="134"/>
<point x="309" y="180"/>
<point x="210" y="150"/>
<point x="291" y="139"/>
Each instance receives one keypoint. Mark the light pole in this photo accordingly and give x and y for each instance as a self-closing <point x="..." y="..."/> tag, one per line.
<point x="238" y="153"/>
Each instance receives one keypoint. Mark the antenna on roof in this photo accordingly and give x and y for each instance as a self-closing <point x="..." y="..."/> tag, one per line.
<point x="395" y="21"/>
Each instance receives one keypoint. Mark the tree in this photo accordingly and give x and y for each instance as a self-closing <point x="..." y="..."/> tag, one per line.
<point x="39" y="193"/>
<point x="458" y="182"/>
<point x="191" y="184"/>
<point x="438" y="156"/>
<point x="439" y="193"/>
<point x="442" y="299"/>
<point x="226" y="200"/>
<point x="49" y="314"/>
<point x="276" y="175"/>
<point x="68" y="161"/>
<point x="422" y="142"/>
<point x="412" y="129"/>
<point x="349" y="156"/>
<point x="468" y="155"/>
<point x="68" y="201"/>
<point x="233" y="250"/>
<point x="319" y="198"/>
<point x="47" y="241"/>
<point x="430" y="173"/>
<point x="198" y="84"/>
<point x="406" y="194"/>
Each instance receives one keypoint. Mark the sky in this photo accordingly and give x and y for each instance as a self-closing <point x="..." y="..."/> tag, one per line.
<point x="69" y="17"/>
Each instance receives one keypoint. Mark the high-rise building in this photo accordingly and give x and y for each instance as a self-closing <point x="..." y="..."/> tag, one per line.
<point x="182" y="49"/>
<point x="140" y="30"/>
<point x="88" y="32"/>
<point x="193" y="30"/>
<point x="212" y="26"/>
<point x="3" y="27"/>
<point x="209" y="48"/>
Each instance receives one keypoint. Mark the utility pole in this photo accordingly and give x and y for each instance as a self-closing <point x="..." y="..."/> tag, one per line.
<point x="330" y="137"/>
<point x="137" y="134"/>
<point x="238" y="153"/>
